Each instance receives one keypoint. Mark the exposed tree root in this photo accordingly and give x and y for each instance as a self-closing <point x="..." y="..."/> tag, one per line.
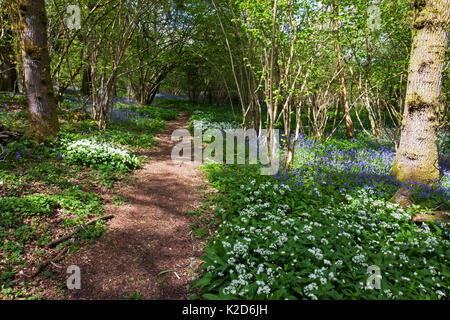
<point x="403" y="197"/>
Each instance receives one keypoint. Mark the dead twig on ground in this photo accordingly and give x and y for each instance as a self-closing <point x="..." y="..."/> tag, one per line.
<point x="54" y="243"/>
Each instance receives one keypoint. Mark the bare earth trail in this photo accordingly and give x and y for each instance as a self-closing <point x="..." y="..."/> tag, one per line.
<point x="148" y="235"/>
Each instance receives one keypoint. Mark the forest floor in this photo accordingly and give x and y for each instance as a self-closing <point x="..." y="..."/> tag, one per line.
<point x="165" y="214"/>
<point x="149" y="250"/>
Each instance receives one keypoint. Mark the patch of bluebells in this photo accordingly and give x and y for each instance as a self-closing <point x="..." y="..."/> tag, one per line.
<point x="125" y="115"/>
<point x="70" y="97"/>
<point x="24" y="151"/>
<point x="312" y="232"/>
<point x="360" y="162"/>
<point x="124" y="100"/>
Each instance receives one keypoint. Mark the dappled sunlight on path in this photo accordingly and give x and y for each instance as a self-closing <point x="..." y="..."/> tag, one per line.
<point x="148" y="235"/>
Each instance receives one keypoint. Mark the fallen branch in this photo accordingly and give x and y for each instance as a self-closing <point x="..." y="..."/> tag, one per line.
<point x="55" y="258"/>
<point x="432" y="216"/>
<point x="8" y="134"/>
<point x="59" y="255"/>
<point x="70" y="235"/>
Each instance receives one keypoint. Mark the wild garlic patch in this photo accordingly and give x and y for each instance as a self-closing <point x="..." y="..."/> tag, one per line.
<point x="279" y="241"/>
<point x="212" y="120"/>
<point x="97" y="154"/>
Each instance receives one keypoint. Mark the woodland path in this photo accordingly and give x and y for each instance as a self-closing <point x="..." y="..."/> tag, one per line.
<point x="149" y="234"/>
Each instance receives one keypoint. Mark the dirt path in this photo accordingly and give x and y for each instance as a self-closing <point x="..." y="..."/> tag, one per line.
<point x="148" y="235"/>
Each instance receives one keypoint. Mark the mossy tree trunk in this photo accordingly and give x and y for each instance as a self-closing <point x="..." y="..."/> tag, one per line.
<point x="417" y="155"/>
<point x="43" y="121"/>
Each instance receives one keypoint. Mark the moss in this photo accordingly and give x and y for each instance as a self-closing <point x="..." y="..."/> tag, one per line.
<point x="403" y="174"/>
<point x="430" y="17"/>
<point x="32" y="50"/>
<point x="424" y="171"/>
<point x="395" y="167"/>
<point x="41" y="128"/>
<point x="419" y="4"/>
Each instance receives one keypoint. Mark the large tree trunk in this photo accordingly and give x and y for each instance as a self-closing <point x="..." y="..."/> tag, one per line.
<point x="43" y="120"/>
<point x="417" y="156"/>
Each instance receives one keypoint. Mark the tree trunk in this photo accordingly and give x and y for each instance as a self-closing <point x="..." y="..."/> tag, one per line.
<point x="342" y="87"/>
<point x="8" y="80"/>
<point x="43" y="120"/>
<point x="8" y="72"/>
<point x="153" y="94"/>
<point x="344" y="102"/>
<point x="417" y="156"/>
<point x="86" y="86"/>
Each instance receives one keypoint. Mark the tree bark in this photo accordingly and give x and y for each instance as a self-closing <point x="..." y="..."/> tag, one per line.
<point x="341" y="76"/>
<point x="417" y="156"/>
<point x="43" y="120"/>
<point x="8" y="71"/>
<point x="86" y="86"/>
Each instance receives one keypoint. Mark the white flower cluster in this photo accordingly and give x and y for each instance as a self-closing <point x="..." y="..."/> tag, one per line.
<point x="207" y="124"/>
<point x="273" y="243"/>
